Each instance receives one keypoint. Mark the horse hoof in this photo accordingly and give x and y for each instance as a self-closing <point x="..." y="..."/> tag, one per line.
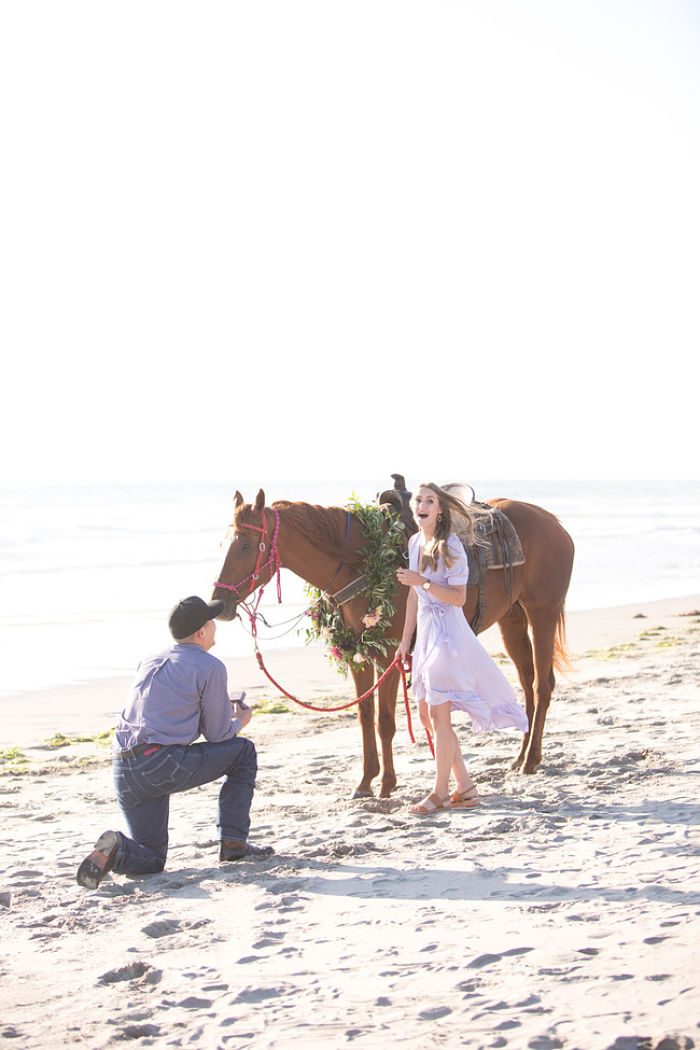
<point x="361" y="794"/>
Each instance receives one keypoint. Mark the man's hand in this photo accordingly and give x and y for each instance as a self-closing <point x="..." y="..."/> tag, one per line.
<point x="242" y="712"/>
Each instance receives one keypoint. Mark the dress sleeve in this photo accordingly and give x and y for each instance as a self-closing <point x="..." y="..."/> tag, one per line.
<point x="215" y="721"/>
<point x="458" y="572"/>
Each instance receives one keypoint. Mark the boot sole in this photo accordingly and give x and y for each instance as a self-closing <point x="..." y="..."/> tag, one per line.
<point x="101" y="861"/>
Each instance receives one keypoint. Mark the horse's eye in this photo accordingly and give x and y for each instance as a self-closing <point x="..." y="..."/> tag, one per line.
<point x="246" y="546"/>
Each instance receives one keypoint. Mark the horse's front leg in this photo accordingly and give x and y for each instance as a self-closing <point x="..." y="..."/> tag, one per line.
<point x="364" y="679"/>
<point x="386" y="726"/>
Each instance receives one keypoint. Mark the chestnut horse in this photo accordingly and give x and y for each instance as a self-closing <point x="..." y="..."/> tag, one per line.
<point x="323" y="546"/>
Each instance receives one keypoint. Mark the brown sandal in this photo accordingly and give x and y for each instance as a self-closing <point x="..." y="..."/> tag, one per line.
<point x="431" y="804"/>
<point x="465" y="799"/>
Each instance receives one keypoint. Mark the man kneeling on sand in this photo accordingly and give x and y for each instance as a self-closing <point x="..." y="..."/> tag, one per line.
<point x="178" y="694"/>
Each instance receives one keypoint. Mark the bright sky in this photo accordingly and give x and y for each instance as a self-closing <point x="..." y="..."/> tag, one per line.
<point x="312" y="239"/>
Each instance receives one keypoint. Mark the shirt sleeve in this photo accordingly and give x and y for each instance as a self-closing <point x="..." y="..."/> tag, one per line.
<point x="458" y="572"/>
<point x="216" y="722"/>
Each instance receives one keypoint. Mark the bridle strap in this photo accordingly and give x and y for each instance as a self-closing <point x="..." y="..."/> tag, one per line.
<point x="273" y="559"/>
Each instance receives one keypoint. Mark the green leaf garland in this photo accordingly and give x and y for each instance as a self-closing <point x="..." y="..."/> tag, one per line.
<point x="385" y="536"/>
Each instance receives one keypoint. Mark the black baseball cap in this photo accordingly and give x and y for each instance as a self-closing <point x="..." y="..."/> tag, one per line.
<point x="190" y="614"/>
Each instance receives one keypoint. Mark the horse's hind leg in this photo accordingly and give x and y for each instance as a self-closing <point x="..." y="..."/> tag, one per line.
<point x="544" y="625"/>
<point x="514" y="631"/>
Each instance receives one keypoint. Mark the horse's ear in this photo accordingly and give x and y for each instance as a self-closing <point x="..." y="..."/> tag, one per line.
<point x="260" y="501"/>
<point x="237" y="499"/>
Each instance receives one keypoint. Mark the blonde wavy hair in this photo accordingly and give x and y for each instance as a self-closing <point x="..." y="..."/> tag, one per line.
<point x="454" y="516"/>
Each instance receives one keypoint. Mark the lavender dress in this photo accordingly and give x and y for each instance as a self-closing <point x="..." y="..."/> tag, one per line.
<point x="449" y="662"/>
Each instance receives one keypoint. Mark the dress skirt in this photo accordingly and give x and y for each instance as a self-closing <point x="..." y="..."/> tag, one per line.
<point x="449" y="661"/>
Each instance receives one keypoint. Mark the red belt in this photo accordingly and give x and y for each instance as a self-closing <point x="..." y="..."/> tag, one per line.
<point x="140" y="749"/>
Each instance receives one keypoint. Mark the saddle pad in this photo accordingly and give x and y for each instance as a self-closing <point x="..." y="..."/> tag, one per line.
<point x="505" y="548"/>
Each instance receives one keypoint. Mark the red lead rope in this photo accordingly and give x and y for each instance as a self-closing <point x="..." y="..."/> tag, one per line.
<point x="358" y="700"/>
<point x="275" y="562"/>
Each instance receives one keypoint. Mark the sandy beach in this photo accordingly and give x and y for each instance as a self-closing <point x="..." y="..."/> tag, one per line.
<point x="561" y="913"/>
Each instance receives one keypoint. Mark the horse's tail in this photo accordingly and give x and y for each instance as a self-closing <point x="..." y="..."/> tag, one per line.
<point x="561" y="657"/>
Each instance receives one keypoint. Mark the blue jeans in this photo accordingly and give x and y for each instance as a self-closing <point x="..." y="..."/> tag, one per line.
<point x="144" y="785"/>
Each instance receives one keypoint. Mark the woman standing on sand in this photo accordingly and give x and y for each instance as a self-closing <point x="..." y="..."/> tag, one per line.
<point x="451" y="669"/>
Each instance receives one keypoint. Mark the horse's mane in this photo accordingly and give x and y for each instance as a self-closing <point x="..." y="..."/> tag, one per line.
<point x="326" y="526"/>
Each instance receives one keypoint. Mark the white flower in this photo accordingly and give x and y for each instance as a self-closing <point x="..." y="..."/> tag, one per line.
<point x="327" y="634"/>
<point x="358" y="658"/>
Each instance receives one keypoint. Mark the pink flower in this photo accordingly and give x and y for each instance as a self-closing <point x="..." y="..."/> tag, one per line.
<point x="371" y="619"/>
<point x="358" y="658"/>
<point x="335" y="652"/>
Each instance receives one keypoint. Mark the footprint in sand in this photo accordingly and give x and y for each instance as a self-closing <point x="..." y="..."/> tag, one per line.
<point x="505" y="1026"/>
<point x="268" y="940"/>
<point x="166" y="927"/>
<point x="256" y="995"/>
<point x="487" y="959"/>
<point x="138" y="1031"/>
<point x="132" y="972"/>
<point x="162" y="928"/>
<point x="469" y="988"/>
<point x="434" y="1013"/>
<point x="193" y="1002"/>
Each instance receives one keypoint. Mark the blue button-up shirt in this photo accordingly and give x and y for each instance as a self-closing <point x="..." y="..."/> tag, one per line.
<point x="177" y="695"/>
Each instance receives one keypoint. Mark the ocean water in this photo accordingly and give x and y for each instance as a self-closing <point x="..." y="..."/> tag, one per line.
<point x="89" y="572"/>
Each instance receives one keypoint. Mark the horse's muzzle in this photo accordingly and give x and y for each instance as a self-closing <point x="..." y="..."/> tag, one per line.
<point x="230" y="605"/>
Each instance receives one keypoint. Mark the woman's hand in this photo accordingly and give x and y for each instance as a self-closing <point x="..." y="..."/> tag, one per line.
<point x="409" y="625"/>
<point x="409" y="578"/>
<point x="402" y="652"/>
<point x="444" y="592"/>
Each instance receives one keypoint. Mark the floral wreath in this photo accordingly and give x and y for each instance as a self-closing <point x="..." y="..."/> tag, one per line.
<point x="385" y="535"/>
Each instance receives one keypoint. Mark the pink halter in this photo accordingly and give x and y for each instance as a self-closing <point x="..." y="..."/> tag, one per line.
<point x="273" y="560"/>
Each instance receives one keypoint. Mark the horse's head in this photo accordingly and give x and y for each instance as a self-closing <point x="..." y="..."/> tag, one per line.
<point x="251" y="554"/>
